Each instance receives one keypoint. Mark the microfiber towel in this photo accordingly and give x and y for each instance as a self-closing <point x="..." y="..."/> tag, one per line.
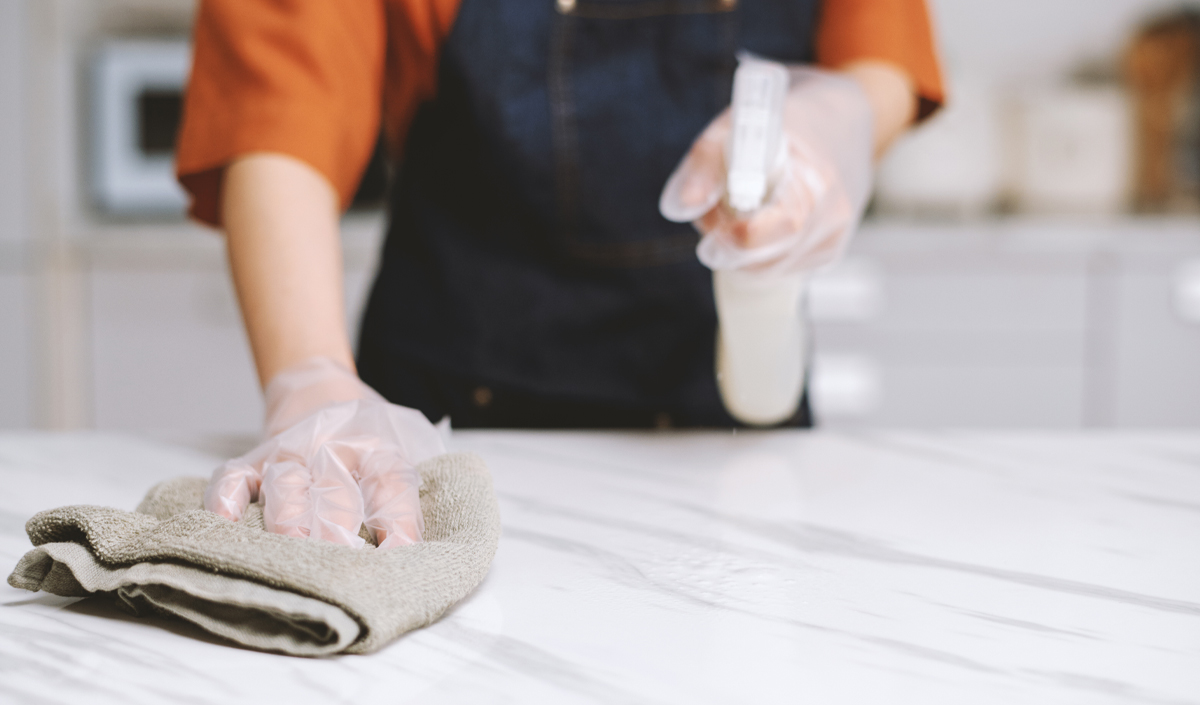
<point x="263" y="590"/>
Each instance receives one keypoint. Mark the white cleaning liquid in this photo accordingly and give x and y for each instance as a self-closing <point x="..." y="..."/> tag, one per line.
<point x="761" y="343"/>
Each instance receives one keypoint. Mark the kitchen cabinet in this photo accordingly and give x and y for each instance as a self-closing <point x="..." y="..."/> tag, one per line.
<point x="1019" y="323"/>
<point x="169" y="354"/>
<point x="1155" y="339"/>
<point x="16" y="350"/>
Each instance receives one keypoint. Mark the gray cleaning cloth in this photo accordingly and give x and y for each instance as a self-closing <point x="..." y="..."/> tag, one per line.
<point x="263" y="590"/>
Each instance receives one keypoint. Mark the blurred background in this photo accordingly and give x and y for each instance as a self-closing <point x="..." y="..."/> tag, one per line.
<point x="1031" y="258"/>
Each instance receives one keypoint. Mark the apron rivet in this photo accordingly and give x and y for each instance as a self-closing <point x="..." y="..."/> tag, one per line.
<point x="565" y="6"/>
<point x="482" y="396"/>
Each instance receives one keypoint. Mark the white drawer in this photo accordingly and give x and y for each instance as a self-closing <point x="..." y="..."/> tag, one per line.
<point x="962" y="396"/>
<point x="169" y="354"/>
<point x="17" y="373"/>
<point x="1155" y="375"/>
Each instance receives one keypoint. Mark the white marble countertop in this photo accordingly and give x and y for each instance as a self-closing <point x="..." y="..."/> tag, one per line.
<point x="691" y="568"/>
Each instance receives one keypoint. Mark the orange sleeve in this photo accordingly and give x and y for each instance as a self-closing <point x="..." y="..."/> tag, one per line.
<point x="896" y="31"/>
<point x="299" y="77"/>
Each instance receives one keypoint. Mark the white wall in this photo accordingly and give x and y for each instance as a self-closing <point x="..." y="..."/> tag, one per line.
<point x="1008" y="69"/>
<point x="1016" y="41"/>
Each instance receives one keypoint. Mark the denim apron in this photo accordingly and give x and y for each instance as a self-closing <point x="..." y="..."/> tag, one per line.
<point x="528" y="279"/>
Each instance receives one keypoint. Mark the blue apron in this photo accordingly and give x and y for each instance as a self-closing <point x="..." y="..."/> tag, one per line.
<point x="528" y="279"/>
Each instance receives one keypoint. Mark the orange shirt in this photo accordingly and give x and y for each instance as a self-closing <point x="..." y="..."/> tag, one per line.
<point x="313" y="79"/>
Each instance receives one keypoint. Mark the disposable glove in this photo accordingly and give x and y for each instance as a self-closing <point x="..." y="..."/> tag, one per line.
<point x="337" y="456"/>
<point x="817" y="193"/>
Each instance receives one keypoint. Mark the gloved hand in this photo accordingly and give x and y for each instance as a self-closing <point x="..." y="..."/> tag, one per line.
<point x="818" y="193"/>
<point x="337" y="455"/>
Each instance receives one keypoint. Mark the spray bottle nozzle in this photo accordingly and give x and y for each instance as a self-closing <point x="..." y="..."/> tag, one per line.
<point x="759" y="89"/>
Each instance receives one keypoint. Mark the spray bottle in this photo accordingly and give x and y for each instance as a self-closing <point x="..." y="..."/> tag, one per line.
<point x="761" y="341"/>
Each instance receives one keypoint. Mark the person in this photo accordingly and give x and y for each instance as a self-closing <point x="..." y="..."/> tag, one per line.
<point x="528" y="278"/>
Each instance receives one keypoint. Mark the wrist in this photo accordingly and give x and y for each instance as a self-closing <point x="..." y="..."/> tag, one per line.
<point x="287" y="361"/>
<point x="892" y="94"/>
<point x="304" y="388"/>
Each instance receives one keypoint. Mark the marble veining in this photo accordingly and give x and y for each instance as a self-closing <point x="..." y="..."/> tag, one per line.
<point x="706" y="567"/>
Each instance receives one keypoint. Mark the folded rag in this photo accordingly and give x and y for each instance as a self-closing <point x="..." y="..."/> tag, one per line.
<point x="264" y="590"/>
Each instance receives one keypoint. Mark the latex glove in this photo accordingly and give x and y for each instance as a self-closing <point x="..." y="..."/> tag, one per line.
<point x="819" y="191"/>
<point x="337" y="456"/>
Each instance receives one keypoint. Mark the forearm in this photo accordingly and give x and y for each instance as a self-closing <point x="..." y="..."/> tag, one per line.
<point x="893" y="98"/>
<point x="281" y="223"/>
